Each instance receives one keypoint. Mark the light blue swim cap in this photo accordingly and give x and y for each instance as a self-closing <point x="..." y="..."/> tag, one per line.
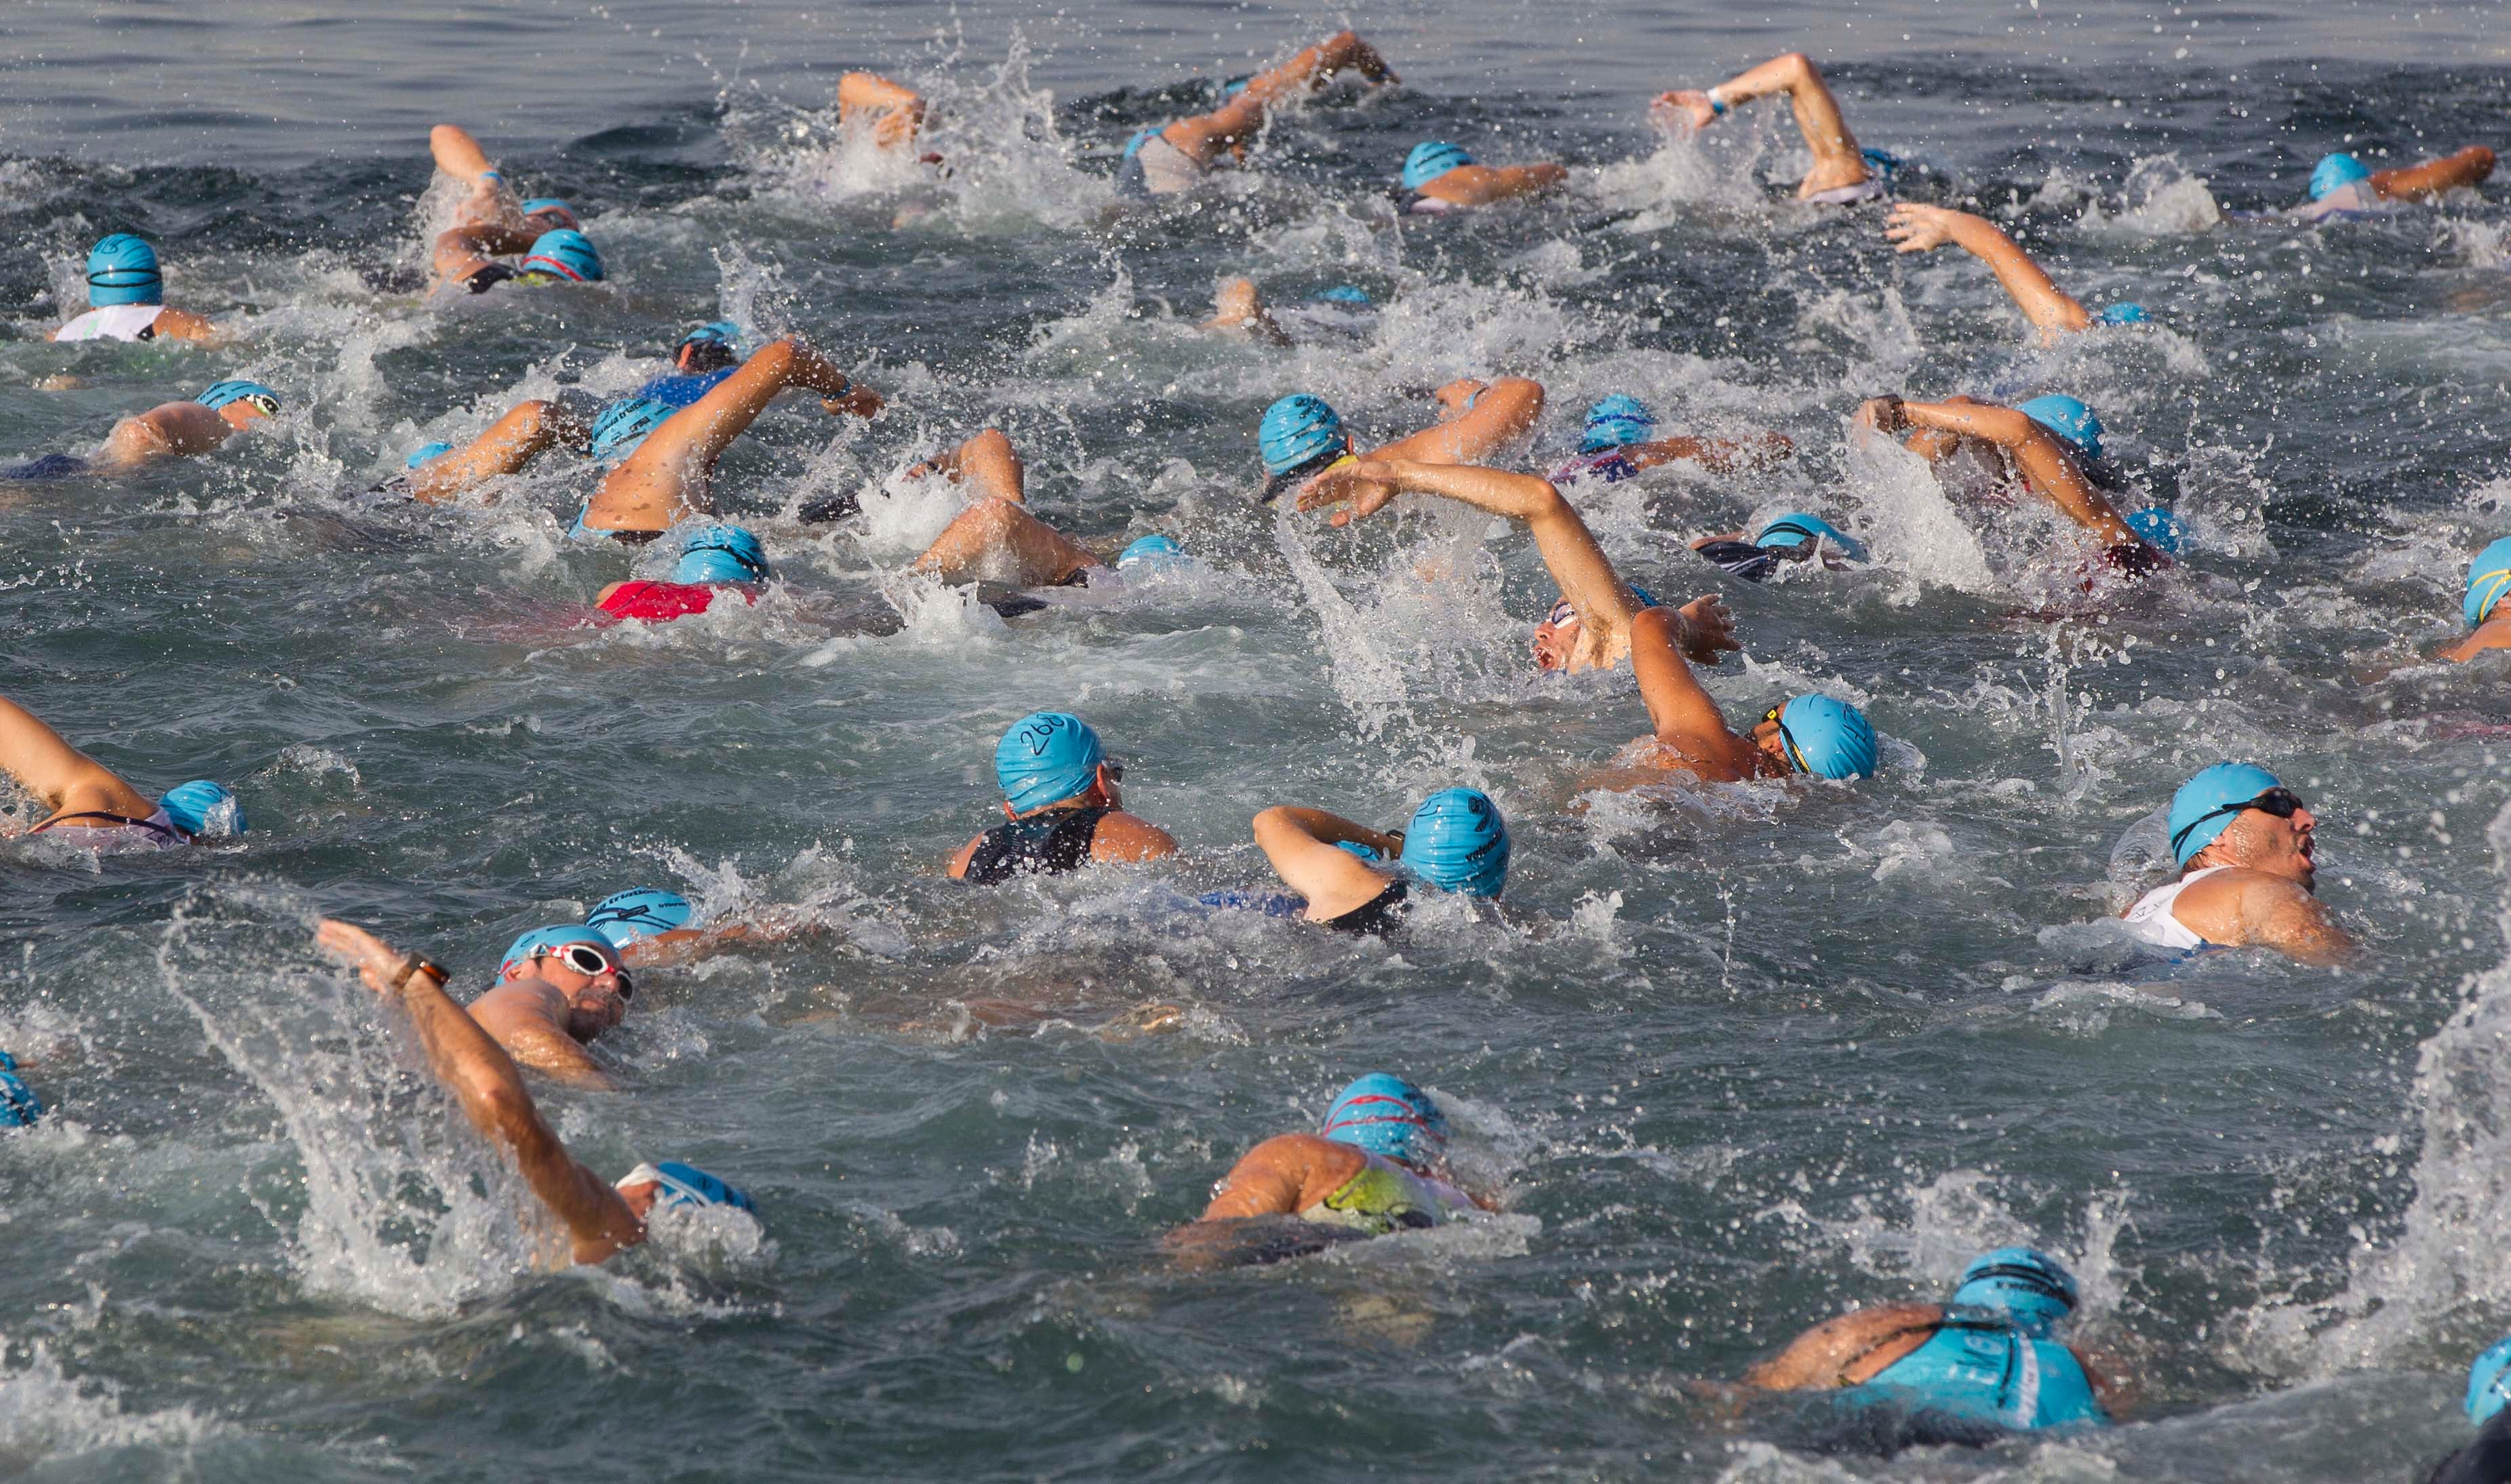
<point x="427" y="453"/>
<point x="1827" y="736"/>
<point x="2160" y="528"/>
<point x="639" y="912"/>
<point x="1147" y="549"/>
<point x="122" y="270"/>
<point x="203" y="808"/>
<point x="2122" y="313"/>
<point x="567" y="253"/>
<point x="1387" y="1116"/>
<point x="1235" y="86"/>
<point x="546" y="941"/>
<point x="2070" y="419"/>
<point x="721" y="554"/>
<point x="1345" y="293"/>
<point x="1795" y="528"/>
<point x="686" y="1184"/>
<point x="221" y="393"/>
<point x="2203" y="807"/>
<point x="1430" y="159"/>
<point x="1296" y="429"/>
<point x="721" y="332"/>
<point x="2028" y="1284"/>
<point x="1459" y="842"/>
<point x="2487" y="578"/>
<point x="19" y="1107"/>
<point x="551" y="204"/>
<point x="1615" y="421"/>
<point x="1046" y="758"/>
<point x="623" y="424"/>
<point x="2334" y="172"/>
<point x="2487" y="1384"/>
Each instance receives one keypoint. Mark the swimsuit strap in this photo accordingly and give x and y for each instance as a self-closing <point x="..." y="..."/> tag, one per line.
<point x="99" y="814"/>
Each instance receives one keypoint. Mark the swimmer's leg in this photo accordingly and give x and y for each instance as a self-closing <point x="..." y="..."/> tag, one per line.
<point x="667" y="480"/>
<point x="895" y="113"/>
<point x="999" y="540"/>
<point x="65" y="778"/>
<point x="512" y="442"/>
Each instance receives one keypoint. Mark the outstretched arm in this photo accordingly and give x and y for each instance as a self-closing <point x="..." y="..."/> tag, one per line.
<point x="1917" y="228"/>
<point x="986" y="462"/>
<point x="1300" y="843"/>
<point x="67" y="780"/>
<point x="171" y="430"/>
<point x="1478" y="418"/>
<point x="2045" y="465"/>
<point x="1681" y="713"/>
<point x="1843" y="1352"/>
<point x="668" y="477"/>
<point x="1229" y="128"/>
<point x="1474" y="186"/>
<point x="1723" y="456"/>
<point x="510" y="442"/>
<point x="483" y="1079"/>
<point x="2416" y="182"/>
<point x="1835" y="160"/>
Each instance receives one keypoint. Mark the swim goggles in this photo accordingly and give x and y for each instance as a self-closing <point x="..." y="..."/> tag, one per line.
<point x="1787" y="739"/>
<point x="268" y="405"/>
<point x="589" y="962"/>
<point x="2279" y="801"/>
<point x="1563" y="611"/>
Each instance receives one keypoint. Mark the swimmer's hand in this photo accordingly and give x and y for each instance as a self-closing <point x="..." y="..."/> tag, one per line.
<point x="1685" y="107"/>
<point x="1917" y="228"/>
<point x="1707" y="630"/>
<point x="1883" y="414"/>
<point x="376" y="962"/>
<point x="858" y="402"/>
<point x="1456" y="396"/>
<point x="1365" y="485"/>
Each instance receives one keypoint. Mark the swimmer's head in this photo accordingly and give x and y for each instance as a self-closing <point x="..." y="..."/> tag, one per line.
<point x="1615" y="421"/>
<point x="639" y="912"/>
<point x="711" y="347"/>
<point x="2223" y="796"/>
<point x="2122" y="313"/>
<point x="1820" y="736"/>
<point x="721" y="554"/>
<point x="1459" y="842"/>
<point x="564" y="253"/>
<point x="427" y="453"/>
<point x="623" y="425"/>
<point x="2161" y="530"/>
<point x="2070" y="419"/>
<point x="1431" y="159"/>
<point x="549" y="214"/>
<point x="240" y="401"/>
<point x="2488" y="576"/>
<point x="1048" y="757"/>
<point x="2029" y="1286"/>
<point x="2489" y="1382"/>
<point x="203" y="809"/>
<point x="122" y="269"/>
<point x="1349" y="295"/>
<point x="1797" y="531"/>
<point x="1386" y="1115"/>
<point x="1154" y="549"/>
<point x="2334" y="172"/>
<point x="1301" y="435"/>
<point x="19" y="1107"/>
<point x="1555" y="638"/>
<point x="676" y="1186"/>
<point x="582" y="965"/>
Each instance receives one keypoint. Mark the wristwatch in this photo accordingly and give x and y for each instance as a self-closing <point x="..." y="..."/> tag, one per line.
<point x="415" y="965"/>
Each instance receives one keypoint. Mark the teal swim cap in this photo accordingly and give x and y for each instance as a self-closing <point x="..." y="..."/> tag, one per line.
<point x="1826" y="737"/>
<point x="1430" y="159"/>
<point x="685" y="1186"/>
<point x="2024" y="1283"/>
<point x="1615" y="421"/>
<point x="1345" y="293"/>
<point x="19" y="1107"/>
<point x="1046" y="758"/>
<point x="2160" y="528"/>
<point x="2070" y="419"/>
<point x="623" y="425"/>
<point x="1385" y="1115"/>
<point x="122" y="269"/>
<point x="221" y="393"/>
<point x="1459" y="842"/>
<point x="2487" y="578"/>
<point x="721" y="554"/>
<point x="2122" y="313"/>
<point x="2334" y="172"/>
<point x="201" y="808"/>
<point x="639" y="912"/>
<point x="2486" y="1382"/>
<point x="1147" y="549"/>
<point x="428" y="453"/>
<point x="1296" y="430"/>
<point x="566" y="254"/>
<point x="543" y="941"/>
<point x="1796" y="528"/>
<point x="2206" y="805"/>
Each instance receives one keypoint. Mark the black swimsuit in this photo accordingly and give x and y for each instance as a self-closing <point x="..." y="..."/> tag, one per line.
<point x="482" y="279"/>
<point x="1050" y="843"/>
<point x="169" y="831"/>
<point x="1742" y="559"/>
<point x="1379" y="914"/>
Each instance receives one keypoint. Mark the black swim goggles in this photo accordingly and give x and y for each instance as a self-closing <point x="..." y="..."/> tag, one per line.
<point x="2278" y="801"/>
<point x="589" y="962"/>
<point x="1787" y="739"/>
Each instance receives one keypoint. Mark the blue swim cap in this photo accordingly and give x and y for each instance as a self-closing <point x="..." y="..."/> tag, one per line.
<point x="686" y="1185"/>
<point x="1827" y="736"/>
<point x="203" y="808"/>
<point x="1795" y="528"/>
<point x="2203" y="809"/>
<point x="1385" y="1115"/>
<point x="2122" y="313"/>
<point x="1147" y="549"/>
<point x="1430" y="159"/>
<point x="1046" y="758"/>
<point x="567" y="253"/>
<point x="623" y="425"/>
<point x="2070" y="419"/>
<point x="2024" y="1283"/>
<point x="2334" y="172"/>
<point x="1142" y="137"/>
<point x="221" y="393"/>
<point x="1235" y="86"/>
<point x="1884" y="163"/>
<point x="2488" y="576"/>
<point x="2160" y="528"/>
<point x="2485" y="1382"/>
<point x="1459" y="842"/>
<point x="539" y="203"/>
<point x="721" y="332"/>
<point x="721" y="554"/>
<point x="122" y="270"/>
<point x="1345" y="293"/>
<point x="19" y="1107"/>
<point x="639" y="912"/>
<point x="1615" y="421"/>
<point x="546" y="941"/>
<point x="1296" y="430"/>
<point x="428" y="453"/>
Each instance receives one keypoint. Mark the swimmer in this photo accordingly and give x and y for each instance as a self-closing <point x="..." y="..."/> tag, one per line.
<point x="126" y="296"/>
<point x="1355" y="879"/>
<point x="2488" y="620"/>
<point x="1239" y="309"/>
<point x="1301" y="435"/>
<point x="996" y="539"/>
<point x="714" y="559"/>
<point x="704" y="358"/>
<point x="1919" y="228"/>
<point x="894" y="114"/>
<point x="1619" y="442"/>
<point x="601" y="1218"/>
<point x="2487" y="1459"/>
<point x="1792" y="537"/>
<point x="1440" y="177"/>
<point x="491" y="224"/>
<point x="1982" y="1364"/>
<point x="2242" y="843"/>
<point x="19" y="1107"/>
<point x="167" y="431"/>
<point x="1811" y="734"/>
<point x="558" y="989"/>
<point x="1841" y="173"/>
<point x="1376" y="1163"/>
<point x="2341" y="183"/>
<point x="87" y="804"/>
<point x="2050" y="446"/>
<point x="1176" y="157"/>
<point x="1061" y="805"/>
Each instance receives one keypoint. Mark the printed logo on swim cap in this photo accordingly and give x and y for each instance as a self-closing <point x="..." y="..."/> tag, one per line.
<point x="685" y="1186"/>
<point x="122" y="269"/>
<point x="1459" y="842"/>
<point x="19" y="1107"/>
<point x="639" y="912"/>
<point x="623" y="425"/>
<point x="2334" y="172"/>
<point x="2198" y="813"/>
<point x="1795" y="528"/>
<point x="1827" y="736"/>
<point x="203" y="809"/>
<point x="2122" y="313"/>
<point x="2488" y="577"/>
<point x="2070" y="419"/>
<point x="1387" y="1116"/>
<point x="1296" y="430"/>
<point x="564" y="253"/>
<point x="1431" y="159"/>
<point x="721" y="554"/>
<point x="1046" y="758"/>
<point x="2489" y="1382"/>
<point x="1614" y="422"/>
<point x="2024" y="1282"/>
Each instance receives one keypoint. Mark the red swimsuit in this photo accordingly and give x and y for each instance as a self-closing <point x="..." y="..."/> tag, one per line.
<point x="661" y="602"/>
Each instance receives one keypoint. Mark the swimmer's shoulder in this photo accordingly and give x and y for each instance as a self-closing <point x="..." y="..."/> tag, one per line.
<point x="1121" y="836"/>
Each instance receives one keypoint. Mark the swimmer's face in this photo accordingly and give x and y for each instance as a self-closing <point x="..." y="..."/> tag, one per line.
<point x="2261" y="842"/>
<point x="1111" y="774"/>
<point x="594" y="1002"/>
<point x="1767" y="737"/>
<point x="1555" y="638"/>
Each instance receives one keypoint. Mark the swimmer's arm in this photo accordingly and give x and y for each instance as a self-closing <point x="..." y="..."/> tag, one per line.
<point x="530" y="1021"/>
<point x="1828" y="1353"/>
<point x="1476" y="185"/>
<point x="1282" y="1176"/>
<point x="456" y="153"/>
<point x="1498" y="411"/>
<point x="1229" y="128"/>
<point x="1718" y="455"/>
<point x="1300" y="844"/>
<point x="666" y="478"/>
<point x="2493" y="633"/>
<point x="510" y="442"/>
<point x="989" y="464"/>
<point x="1681" y="713"/>
<point x="1818" y="116"/>
<point x="1123" y="838"/>
<point x="2046" y="466"/>
<point x="183" y="324"/>
<point x="1238" y="309"/>
<point x="2416" y="182"/>
<point x="899" y="111"/>
<point x="959" y="866"/>
<point x="170" y="430"/>
<point x="59" y="774"/>
<point x="1916" y="228"/>
<point x="2280" y="915"/>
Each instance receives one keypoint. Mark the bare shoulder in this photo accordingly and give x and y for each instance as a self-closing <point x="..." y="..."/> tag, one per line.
<point x="1128" y="837"/>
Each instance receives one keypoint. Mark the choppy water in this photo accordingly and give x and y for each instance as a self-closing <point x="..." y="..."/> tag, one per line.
<point x="1737" y="1062"/>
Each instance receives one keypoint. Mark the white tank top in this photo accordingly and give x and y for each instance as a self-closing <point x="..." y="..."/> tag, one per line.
<point x="2151" y="919"/>
<point x="114" y="322"/>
